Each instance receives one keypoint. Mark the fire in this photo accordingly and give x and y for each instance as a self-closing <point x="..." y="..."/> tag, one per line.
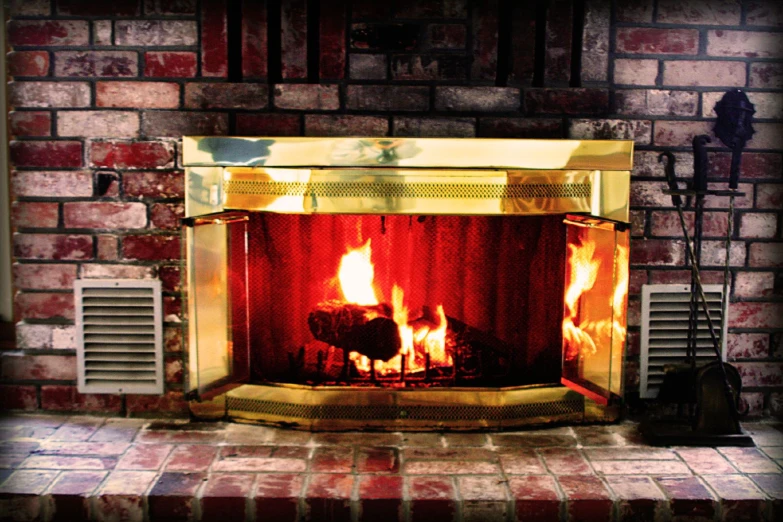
<point x="356" y="274"/>
<point x="584" y="270"/>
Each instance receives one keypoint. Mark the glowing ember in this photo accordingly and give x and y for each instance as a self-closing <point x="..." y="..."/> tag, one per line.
<point x="356" y="274"/>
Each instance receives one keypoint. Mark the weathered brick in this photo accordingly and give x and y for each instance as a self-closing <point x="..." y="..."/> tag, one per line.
<point x="387" y="98"/>
<point x="587" y="497"/>
<point x="225" y="95"/>
<point x="713" y="253"/>
<point x="70" y="493"/>
<point x="106" y="247"/>
<point x="166" y="215"/>
<point x="307" y="97"/>
<point x="680" y="133"/>
<point x="446" y="36"/>
<point x="751" y="460"/>
<point x="293" y="39"/>
<point x="214" y="39"/>
<point x="559" y="31"/>
<point x="18" y="397"/>
<point x="766" y="75"/>
<point x="535" y="497"/>
<point x="67" y="398"/>
<point x="432" y="9"/>
<point x="96" y="63"/>
<point x="748" y="44"/>
<point x="631" y="71"/>
<point x="764" y="12"/>
<point x="151" y="248"/>
<point x="48" y="32"/>
<point x="45" y="336"/>
<point x="61" y="184"/>
<point x="767" y="136"/>
<point x="110" y="124"/>
<point x="667" y="224"/>
<point x="90" y="8"/>
<point x="155" y="32"/>
<point x="432" y="498"/>
<point x="567" y="101"/>
<point x="740" y="202"/>
<point x="44" y="277"/>
<point x="226" y="493"/>
<point x="30" y="8"/>
<point x="277" y="495"/>
<point x="191" y="457"/>
<point x="344" y="125"/>
<point x="170" y="7"/>
<point x="367" y="66"/>
<point x="543" y="128"/>
<point x="658" y="252"/>
<point x="755" y="165"/>
<point x="95" y="214"/>
<point x="768" y="105"/>
<point x="639" y="498"/>
<point x="141" y="95"/>
<point x="699" y="12"/>
<point x="254" y="39"/>
<point x="132" y="155"/>
<point x="332" y="41"/>
<point x="42" y="305"/>
<point x="638" y="11"/>
<point x="638" y="130"/>
<point x="704" y="73"/>
<point x="30" y="123"/>
<point x="106" y="271"/>
<point x="656" y="102"/>
<point x="485" y="41"/>
<point x="41" y="367"/>
<point x="766" y="255"/>
<point x="175" y="124"/>
<point x="30" y="214"/>
<point x="758" y="225"/>
<point x="172" y="495"/>
<point x="49" y="94"/>
<point x="380" y="497"/>
<point x="153" y="184"/>
<point x="46" y="153"/>
<point x="740" y="499"/>
<point x="170" y="64"/>
<point x="384" y="37"/>
<point x="595" y="41"/>
<point x="749" y="345"/>
<point x="489" y="99"/>
<point x="28" y="63"/>
<point x="121" y="495"/>
<point x="102" y="32"/>
<point x="435" y="127"/>
<point x="756" y="315"/>
<point x="430" y="67"/>
<point x="643" y="40"/>
<point x="328" y="496"/>
<point x="268" y="124"/>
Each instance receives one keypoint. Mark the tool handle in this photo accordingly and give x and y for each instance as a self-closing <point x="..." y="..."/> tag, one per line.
<point x="671" y="179"/>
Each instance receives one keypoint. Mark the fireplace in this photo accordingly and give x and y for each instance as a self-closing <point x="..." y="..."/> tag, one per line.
<point x="343" y="283"/>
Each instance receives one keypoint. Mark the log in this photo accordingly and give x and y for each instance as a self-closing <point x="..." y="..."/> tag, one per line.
<point x="368" y="330"/>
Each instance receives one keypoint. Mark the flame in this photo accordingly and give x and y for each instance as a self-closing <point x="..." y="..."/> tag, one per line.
<point x="356" y="274"/>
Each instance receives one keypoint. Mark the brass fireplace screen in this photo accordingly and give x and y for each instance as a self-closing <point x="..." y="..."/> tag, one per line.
<point x="316" y="265"/>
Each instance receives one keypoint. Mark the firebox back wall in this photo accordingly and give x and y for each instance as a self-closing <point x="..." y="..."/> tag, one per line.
<point x="101" y="92"/>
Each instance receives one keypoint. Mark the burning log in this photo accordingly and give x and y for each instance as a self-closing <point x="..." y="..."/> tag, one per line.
<point x="366" y="329"/>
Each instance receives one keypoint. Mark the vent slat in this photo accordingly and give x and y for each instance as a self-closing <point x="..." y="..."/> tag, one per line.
<point x="120" y="346"/>
<point x="678" y="297"/>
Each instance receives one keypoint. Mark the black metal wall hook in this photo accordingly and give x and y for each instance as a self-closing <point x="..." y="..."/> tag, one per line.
<point x="733" y="127"/>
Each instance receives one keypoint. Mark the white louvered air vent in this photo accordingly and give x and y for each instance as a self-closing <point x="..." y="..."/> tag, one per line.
<point x="119" y="336"/>
<point x="665" y="310"/>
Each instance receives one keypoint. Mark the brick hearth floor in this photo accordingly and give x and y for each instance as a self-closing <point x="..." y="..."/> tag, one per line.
<point x="72" y="468"/>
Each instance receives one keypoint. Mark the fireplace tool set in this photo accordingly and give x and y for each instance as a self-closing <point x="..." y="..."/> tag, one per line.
<point x="711" y="391"/>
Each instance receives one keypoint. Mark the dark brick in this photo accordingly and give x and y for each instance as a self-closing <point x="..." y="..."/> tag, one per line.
<point x="431" y="9"/>
<point x="46" y="153"/>
<point x="558" y="42"/>
<point x="381" y="497"/>
<point x="48" y="32"/>
<point x="489" y="99"/>
<point x="277" y="495"/>
<point x="293" y="39"/>
<point x="18" y="397"/>
<point x="254" y="43"/>
<point x="522" y="59"/>
<point x="96" y="63"/>
<point x="307" y="96"/>
<point x="175" y="124"/>
<point x="68" y="398"/>
<point x="367" y="66"/>
<point x="385" y="37"/>
<point x="172" y="495"/>
<point x="268" y="125"/>
<point x="332" y="40"/>
<point x="658" y="252"/>
<point x="387" y="98"/>
<point x="28" y="63"/>
<point x="225" y="96"/>
<point x="447" y="36"/>
<point x="344" y="125"/>
<point x="643" y="40"/>
<point x="170" y="64"/>
<point x="92" y="8"/>
<point x="520" y="128"/>
<point x="435" y="127"/>
<point x="417" y="67"/>
<point x="485" y="40"/>
<point x="130" y="155"/>
<point x="567" y="101"/>
<point x="151" y="248"/>
<point x="170" y="7"/>
<point x="30" y="123"/>
<point x="214" y="39"/>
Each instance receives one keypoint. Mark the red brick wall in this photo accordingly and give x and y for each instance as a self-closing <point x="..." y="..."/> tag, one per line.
<point x="100" y="93"/>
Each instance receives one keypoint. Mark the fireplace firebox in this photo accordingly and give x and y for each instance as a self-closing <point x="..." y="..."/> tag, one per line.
<point x="384" y="283"/>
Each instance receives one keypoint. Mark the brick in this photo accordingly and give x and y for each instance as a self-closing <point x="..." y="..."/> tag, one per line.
<point x="559" y="21"/>
<point x="700" y="12"/>
<point x="378" y="460"/>
<point x="225" y="493"/>
<point x="344" y="125"/>
<point x="602" y="129"/>
<point x="106" y="247"/>
<point x="307" y="97"/>
<point x="656" y="102"/>
<point x="214" y="39"/>
<point x="565" y="461"/>
<point x="522" y="60"/>
<point x="766" y="255"/>
<point x="639" y="11"/>
<point x="173" y="369"/>
<point x="172" y="495"/>
<point x="46" y="153"/>
<point x="767" y="136"/>
<point x="567" y="101"/>
<point x="639" y="498"/>
<point x="757" y="374"/>
<point x="102" y="32"/>
<point x="225" y="96"/>
<point x="112" y="124"/>
<point x="108" y="271"/>
<point x="740" y="499"/>
<point x="17" y="397"/>
<point x="28" y="63"/>
<point x="328" y="496"/>
<point x="432" y="9"/>
<point x="750" y="460"/>
<point x="166" y="215"/>
<point x="141" y="95"/>
<point x="332" y="459"/>
<point x="542" y="128"/>
<point x="34" y="215"/>
<point x="756" y="315"/>
<point x="431" y="498"/>
<point x="30" y="123"/>
<point x="151" y="248"/>
<point x="254" y="39"/>
<point x="293" y="37"/>
<point x="488" y="99"/>
<point x="68" y="399"/>
<point x="39" y="367"/>
<point x="52" y="246"/>
<point x="153" y="185"/>
<point x="191" y="457"/>
<point x="483" y="498"/>
<point x="450" y="467"/>
<point x="96" y="63"/>
<point x="643" y="40"/>
<point x="259" y="464"/>
<point x="740" y="202"/>
<point x="755" y="165"/>
<point x="172" y="402"/>
<point x="435" y="127"/>
<point x="640" y="467"/>
<point x="121" y="495"/>
<point x="89" y="8"/>
<point x="43" y="305"/>
<point x="521" y="461"/>
<point x="587" y="498"/>
<point x="132" y="155"/>
<point x="485" y="41"/>
<point x="30" y="8"/>
<point x="175" y="124"/>
<point x="380" y="497"/>
<point x="446" y="36"/>
<point x="44" y="277"/>
<point x="71" y="491"/>
<point x="749" y="345"/>
<point x="766" y="75"/>
<point x="94" y="214"/>
<point x="595" y="41"/>
<point x="758" y="225"/>
<point x="631" y="71"/>
<point x="332" y="41"/>
<point x="767" y="105"/>
<point x="704" y="73"/>
<point x="534" y="439"/>
<point x="155" y="32"/>
<point x="745" y="44"/>
<point x="713" y="253"/>
<point x="277" y="495"/>
<point x="764" y="12"/>
<point x="367" y="66"/>
<point x="49" y="94"/>
<point x="667" y="224"/>
<point x="658" y="252"/>
<point x="23" y="482"/>
<point x="535" y="497"/>
<point x="428" y="68"/>
<point x="170" y="7"/>
<point x="268" y="125"/>
<point x="144" y="457"/>
<point x="387" y="98"/>
<point x="45" y="336"/>
<point x="170" y="64"/>
<point x="679" y="133"/>
<point x="48" y="32"/>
